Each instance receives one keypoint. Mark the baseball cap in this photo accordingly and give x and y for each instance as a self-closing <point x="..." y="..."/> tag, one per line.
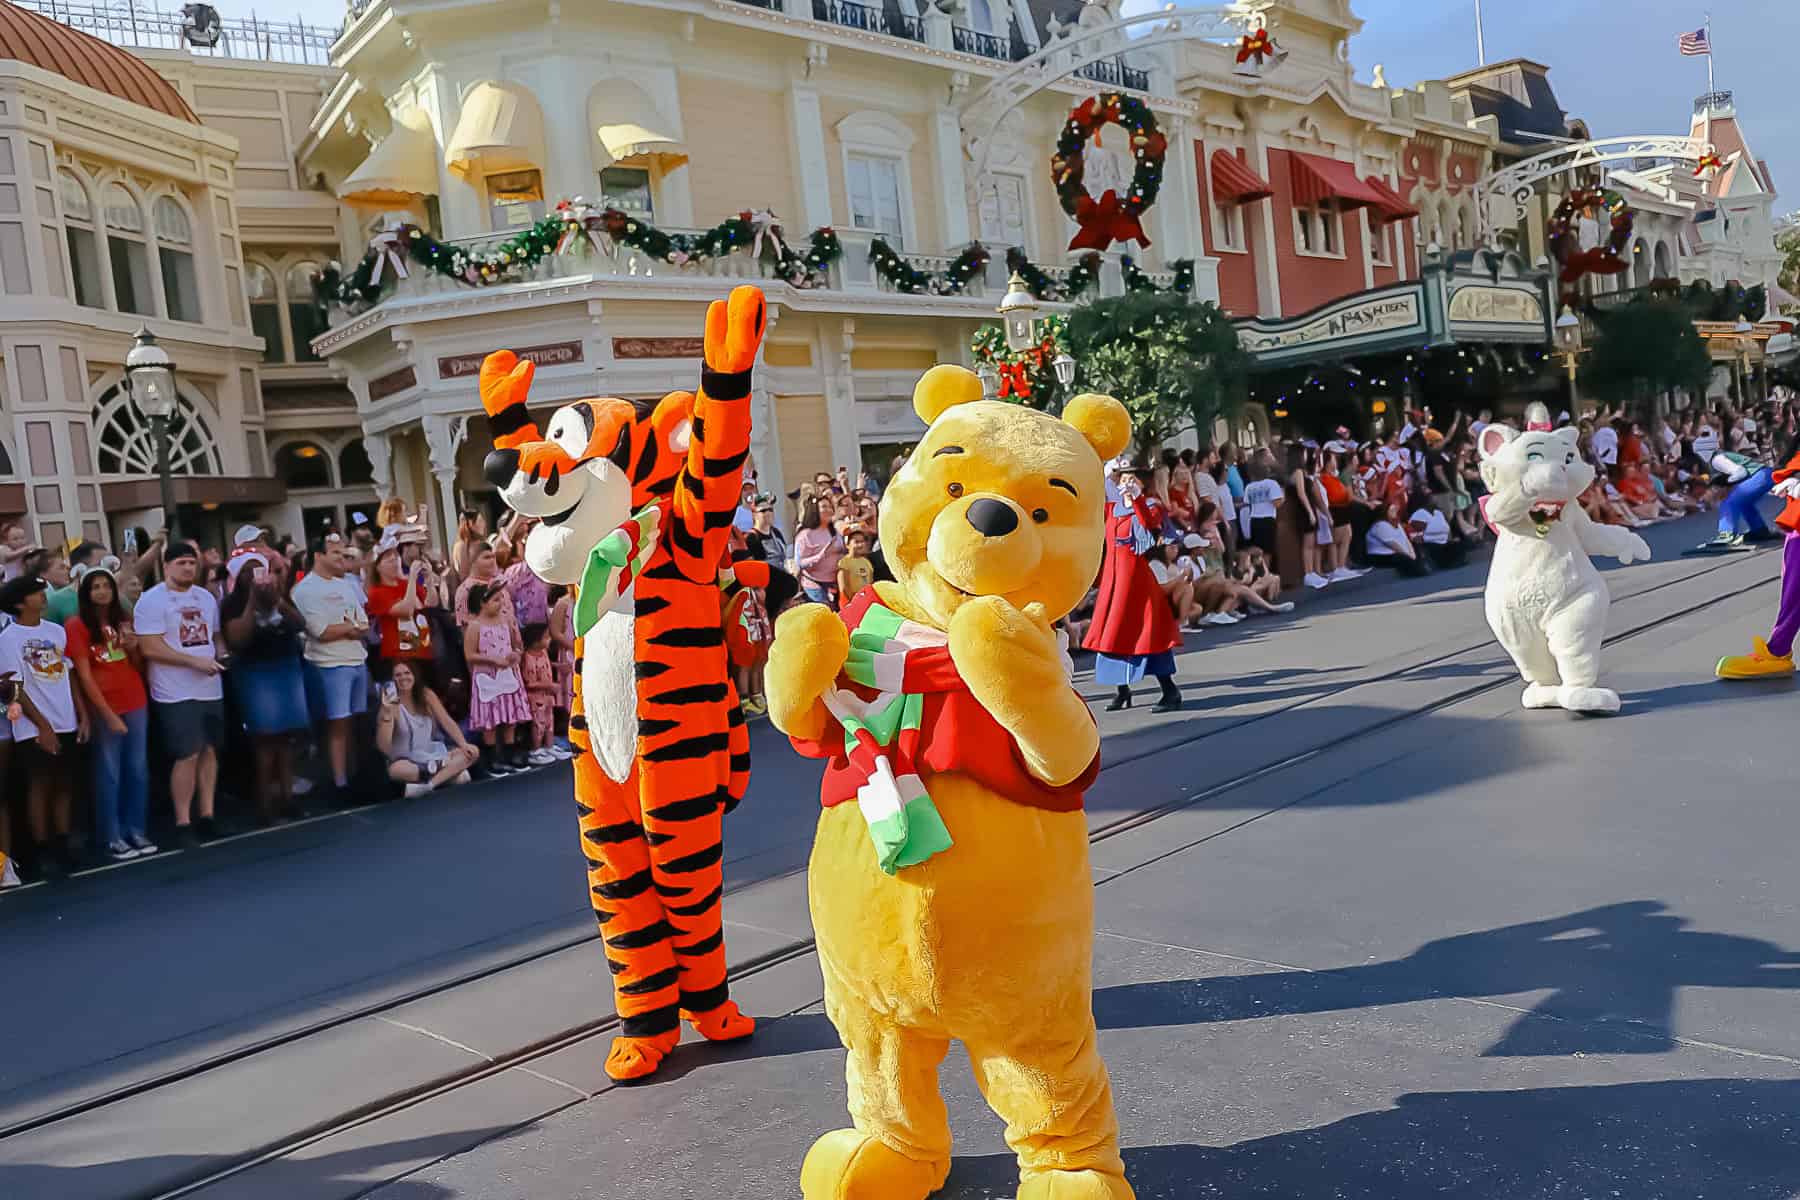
<point x="238" y="562"/>
<point x="1193" y="541"/>
<point x="179" y="550"/>
<point x="12" y="595"/>
<point x="246" y="535"/>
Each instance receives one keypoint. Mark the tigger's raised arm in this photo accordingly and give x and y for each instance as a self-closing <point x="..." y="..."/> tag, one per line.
<point x="711" y="481"/>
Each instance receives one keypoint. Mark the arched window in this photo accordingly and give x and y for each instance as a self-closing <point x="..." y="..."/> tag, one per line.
<point x="354" y="467"/>
<point x="84" y="247"/>
<point x="126" y="251"/>
<point x="265" y="310"/>
<point x="981" y="16"/>
<point x="126" y="443"/>
<point x="1664" y="268"/>
<point x="175" y="253"/>
<point x="303" y="465"/>
<point x="304" y="315"/>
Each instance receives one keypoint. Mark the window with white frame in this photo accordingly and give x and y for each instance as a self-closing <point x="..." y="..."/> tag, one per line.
<point x="981" y="16"/>
<point x="1319" y="231"/>
<point x="83" y="243"/>
<point x="515" y="199"/>
<point x="304" y="316"/>
<point x="265" y="310"/>
<point x="1003" y="210"/>
<point x="127" y="251"/>
<point x="1381" y="243"/>
<point x="628" y="190"/>
<point x="125" y="442"/>
<point x="1228" y="227"/>
<point x="175" y="255"/>
<point x="874" y="187"/>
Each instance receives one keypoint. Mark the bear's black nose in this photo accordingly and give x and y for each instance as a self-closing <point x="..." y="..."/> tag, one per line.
<point x="500" y="466"/>
<point x="991" y="518"/>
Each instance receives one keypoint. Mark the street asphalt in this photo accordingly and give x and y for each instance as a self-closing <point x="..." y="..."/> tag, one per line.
<point x="1366" y="929"/>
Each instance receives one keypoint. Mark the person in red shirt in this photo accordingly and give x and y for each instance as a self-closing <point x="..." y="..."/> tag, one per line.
<point x="397" y="599"/>
<point x="103" y="647"/>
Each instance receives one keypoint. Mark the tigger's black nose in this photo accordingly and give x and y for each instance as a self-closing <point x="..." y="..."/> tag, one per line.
<point x="500" y="466"/>
<point x="992" y="518"/>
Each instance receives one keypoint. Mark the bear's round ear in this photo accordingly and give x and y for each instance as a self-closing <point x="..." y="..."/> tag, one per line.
<point x="1494" y="439"/>
<point x="1103" y="421"/>
<point x="944" y="387"/>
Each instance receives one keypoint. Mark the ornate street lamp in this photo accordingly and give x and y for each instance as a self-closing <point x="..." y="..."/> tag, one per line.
<point x="1568" y="337"/>
<point x="150" y="383"/>
<point x="1018" y="311"/>
<point x="990" y="380"/>
<point x="1064" y="366"/>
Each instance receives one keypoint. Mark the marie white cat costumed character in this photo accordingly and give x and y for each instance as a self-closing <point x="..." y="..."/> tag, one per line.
<point x="1545" y="601"/>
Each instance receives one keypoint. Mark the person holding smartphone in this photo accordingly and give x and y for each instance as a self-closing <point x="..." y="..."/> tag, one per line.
<point x="425" y="749"/>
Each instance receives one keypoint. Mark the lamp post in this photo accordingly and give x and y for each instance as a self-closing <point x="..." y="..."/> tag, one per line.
<point x="1018" y="312"/>
<point x="990" y="380"/>
<point x="150" y="383"/>
<point x="1568" y="337"/>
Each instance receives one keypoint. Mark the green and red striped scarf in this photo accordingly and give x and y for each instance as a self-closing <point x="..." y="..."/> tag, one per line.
<point x="612" y="565"/>
<point x="902" y="660"/>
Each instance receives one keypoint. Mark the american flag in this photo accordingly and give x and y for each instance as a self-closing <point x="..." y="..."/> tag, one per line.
<point x="1696" y="42"/>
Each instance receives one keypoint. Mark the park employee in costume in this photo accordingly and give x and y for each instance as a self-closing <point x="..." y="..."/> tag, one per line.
<point x="950" y="888"/>
<point x="1133" y="633"/>
<point x="1775" y="657"/>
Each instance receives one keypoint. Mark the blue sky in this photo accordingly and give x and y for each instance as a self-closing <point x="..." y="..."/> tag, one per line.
<point x="1613" y="62"/>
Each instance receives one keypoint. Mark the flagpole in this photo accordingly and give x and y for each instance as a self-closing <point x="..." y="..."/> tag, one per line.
<point x="1710" y="89"/>
<point x="1480" y="38"/>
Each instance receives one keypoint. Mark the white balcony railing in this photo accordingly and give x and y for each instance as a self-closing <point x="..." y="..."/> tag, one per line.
<point x="142" y="24"/>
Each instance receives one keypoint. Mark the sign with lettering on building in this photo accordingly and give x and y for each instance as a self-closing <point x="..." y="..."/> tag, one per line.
<point x="391" y="384"/>
<point x="556" y="354"/>
<point x="1367" y="321"/>
<point x="659" y="347"/>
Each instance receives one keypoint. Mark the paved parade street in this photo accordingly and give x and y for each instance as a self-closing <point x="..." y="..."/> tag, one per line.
<point x="1366" y="929"/>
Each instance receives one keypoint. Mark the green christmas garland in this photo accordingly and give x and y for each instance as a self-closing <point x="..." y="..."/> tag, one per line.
<point x="1137" y="281"/>
<point x="560" y="233"/>
<point x="902" y="276"/>
<point x="1029" y="375"/>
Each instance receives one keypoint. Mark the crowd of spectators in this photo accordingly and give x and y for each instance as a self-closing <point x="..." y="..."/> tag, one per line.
<point x="140" y="687"/>
<point x="160" y="685"/>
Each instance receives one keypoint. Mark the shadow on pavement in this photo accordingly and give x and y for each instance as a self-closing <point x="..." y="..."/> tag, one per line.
<point x="1613" y="974"/>
<point x="1645" y="1141"/>
<point x="348" y="1172"/>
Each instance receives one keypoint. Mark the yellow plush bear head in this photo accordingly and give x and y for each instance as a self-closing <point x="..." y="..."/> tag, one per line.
<point x="1000" y="500"/>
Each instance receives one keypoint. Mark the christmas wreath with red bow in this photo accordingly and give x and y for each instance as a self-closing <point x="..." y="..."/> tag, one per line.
<point x="1565" y="238"/>
<point x="1108" y="218"/>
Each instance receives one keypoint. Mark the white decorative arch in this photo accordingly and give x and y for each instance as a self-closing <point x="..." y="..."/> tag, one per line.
<point x="125" y="445"/>
<point x="876" y="129"/>
<point x="1505" y="196"/>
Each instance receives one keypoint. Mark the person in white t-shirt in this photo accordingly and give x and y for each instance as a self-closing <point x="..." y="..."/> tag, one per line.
<point x="1605" y="444"/>
<point x="337" y="671"/>
<point x="1388" y="545"/>
<point x="1434" y="535"/>
<point x="52" y="718"/>
<point x="1262" y="496"/>
<point x="179" y="635"/>
<point x="15" y="545"/>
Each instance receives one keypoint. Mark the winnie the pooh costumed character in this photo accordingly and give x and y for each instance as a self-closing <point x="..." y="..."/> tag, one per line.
<point x="949" y="884"/>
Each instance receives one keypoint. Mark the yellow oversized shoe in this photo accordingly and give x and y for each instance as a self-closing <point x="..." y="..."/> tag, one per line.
<point x="846" y="1164"/>
<point x="1760" y="663"/>
<point x="1075" y="1185"/>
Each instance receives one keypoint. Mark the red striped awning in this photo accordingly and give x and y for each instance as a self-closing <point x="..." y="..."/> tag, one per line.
<point x="1390" y="207"/>
<point x="1235" y="183"/>
<point x="1329" y="183"/>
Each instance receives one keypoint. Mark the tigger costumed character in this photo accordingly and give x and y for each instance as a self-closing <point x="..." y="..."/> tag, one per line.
<point x="635" y="506"/>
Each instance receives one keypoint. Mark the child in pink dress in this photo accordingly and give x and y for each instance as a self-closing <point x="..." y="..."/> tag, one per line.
<point x="497" y="698"/>
<point x="540" y="692"/>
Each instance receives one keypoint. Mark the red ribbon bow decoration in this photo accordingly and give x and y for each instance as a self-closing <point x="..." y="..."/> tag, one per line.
<point x="1014" y="381"/>
<point x="1258" y="45"/>
<point x="1708" y="162"/>
<point x="1105" y="221"/>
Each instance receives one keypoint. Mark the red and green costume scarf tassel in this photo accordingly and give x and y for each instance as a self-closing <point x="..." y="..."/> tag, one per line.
<point x="612" y="565"/>
<point x="902" y="661"/>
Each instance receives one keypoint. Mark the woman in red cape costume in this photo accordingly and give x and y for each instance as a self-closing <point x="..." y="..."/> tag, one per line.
<point x="1133" y="632"/>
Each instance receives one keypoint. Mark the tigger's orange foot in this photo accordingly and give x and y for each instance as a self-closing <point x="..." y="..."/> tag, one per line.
<point x="734" y="329"/>
<point x="634" y="1059"/>
<point x="723" y="1024"/>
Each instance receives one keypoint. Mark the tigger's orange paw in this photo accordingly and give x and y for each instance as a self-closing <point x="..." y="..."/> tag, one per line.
<point x="723" y="1024"/>
<point x="635" y="1058"/>
<point x="734" y="329"/>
